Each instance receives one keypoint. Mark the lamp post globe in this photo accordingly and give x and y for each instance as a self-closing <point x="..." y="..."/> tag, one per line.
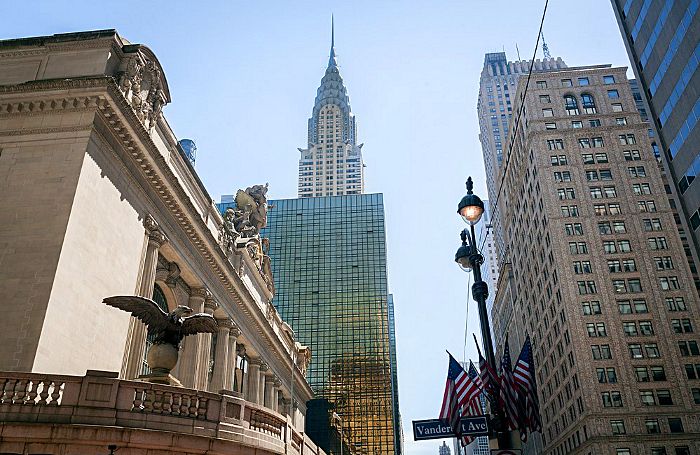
<point x="463" y="254"/>
<point x="471" y="207"/>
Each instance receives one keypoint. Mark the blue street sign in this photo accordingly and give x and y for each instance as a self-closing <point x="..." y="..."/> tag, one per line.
<point x="438" y="429"/>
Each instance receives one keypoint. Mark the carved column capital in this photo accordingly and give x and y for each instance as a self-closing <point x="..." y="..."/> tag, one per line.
<point x="155" y="234"/>
<point x="277" y="382"/>
<point x="210" y="304"/>
<point x="226" y="323"/>
<point x="200" y="293"/>
<point x="255" y="361"/>
<point x="235" y="330"/>
<point x="263" y="366"/>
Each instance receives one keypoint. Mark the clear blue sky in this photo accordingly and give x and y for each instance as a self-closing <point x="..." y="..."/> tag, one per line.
<point x="243" y="76"/>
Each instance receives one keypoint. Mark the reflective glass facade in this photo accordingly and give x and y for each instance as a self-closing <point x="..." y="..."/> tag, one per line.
<point x="329" y="265"/>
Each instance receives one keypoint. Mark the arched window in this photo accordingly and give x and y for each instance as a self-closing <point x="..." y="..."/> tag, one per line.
<point x="159" y="298"/>
<point x="588" y="103"/>
<point x="571" y="105"/>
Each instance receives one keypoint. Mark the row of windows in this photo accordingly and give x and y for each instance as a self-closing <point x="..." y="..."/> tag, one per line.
<point x="609" y="227"/>
<point x="582" y="81"/>
<point x="687" y="348"/>
<point x="578" y="124"/>
<point x="675" y="425"/>
<point x="639" y="306"/>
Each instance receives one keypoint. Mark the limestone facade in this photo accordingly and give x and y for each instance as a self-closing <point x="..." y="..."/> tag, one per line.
<point x="99" y="200"/>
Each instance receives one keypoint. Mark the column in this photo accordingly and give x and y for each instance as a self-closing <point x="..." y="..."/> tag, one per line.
<point x="261" y="388"/>
<point x="269" y="392"/>
<point x="204" y="353"/>
<point x="233" y="335"/>
<point x="253" y="380"/>
<point x="276" y="395"/>
<point x="136" y="338"/>
<point x="192" y="343"/>
<point x="221" y="357"/>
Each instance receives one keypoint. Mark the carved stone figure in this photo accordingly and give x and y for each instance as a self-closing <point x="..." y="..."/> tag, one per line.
<point x="140" y="82"/>
<point x="167" y="330"/>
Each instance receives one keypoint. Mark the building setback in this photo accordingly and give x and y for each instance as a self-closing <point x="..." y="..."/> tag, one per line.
<point x="596" y="273"/>
<point x="663" y="43"/>
<point x="329" y="266"/>
<point x="331" y="164"/>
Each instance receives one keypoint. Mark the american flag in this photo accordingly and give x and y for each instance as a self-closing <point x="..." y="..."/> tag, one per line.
<point x="488" y="377"/>
<point x="459" y="389"/>
<point x="509" y="393"/>
<point x="475" y="400"/>
<point x="524" y="376"/>
<point x="474" y="407"/>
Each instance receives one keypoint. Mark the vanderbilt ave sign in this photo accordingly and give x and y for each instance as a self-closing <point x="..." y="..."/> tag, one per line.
<point x="438" y="429"/>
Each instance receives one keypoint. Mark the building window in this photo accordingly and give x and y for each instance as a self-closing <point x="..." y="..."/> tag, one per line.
<point x="675" y="424"/>
<point x="621" y="121"/>
<point x="577" y="124"/>
<point x="657" y="243"/>
<point x="592" y="307"/>
<point x="594" y="123"/>
<point x="652" y="426"/>
<point x="566" y="83"/>
<point x="544" y="99"/>
<point x="675" y="304"/>
<point x="617" y="107"/>
<point x="608" y="80"/>
<point x="681" y="325"/>
<point x="550" y="126"/>
<point x="617" y="426"/>
<point x="582" y="81"/>
<point x="696" y="395"/>
<point x="541" y="84"/>
<point x="647" y="397"/>
<point x="688" y="348"/>
<point x="601" y="352"/>
<point x="663" y="397"/>
<point x="611" y="399"/>
<point x="571" y="105"/>
<point x="547" y="112"/>
<point x="613" y="94"/>
<point x="588" y="103"/>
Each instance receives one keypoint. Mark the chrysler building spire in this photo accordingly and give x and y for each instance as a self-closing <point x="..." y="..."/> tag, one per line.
<point x="331" y="60"/>
<point x="332" y="163"/>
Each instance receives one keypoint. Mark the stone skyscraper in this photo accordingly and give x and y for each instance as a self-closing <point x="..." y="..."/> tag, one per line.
<point x="596" y="272"/>
<point x="663" y="44"/>
<point x="332" y="162"/>
<point x="498" y="81"/>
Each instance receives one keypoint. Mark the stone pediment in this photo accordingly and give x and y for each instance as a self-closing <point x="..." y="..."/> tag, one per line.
<point x="141" y="80"/>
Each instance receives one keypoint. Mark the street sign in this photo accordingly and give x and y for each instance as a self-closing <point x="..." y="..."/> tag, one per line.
<point x="506" y="452"/>
<point x="438" y="429"/>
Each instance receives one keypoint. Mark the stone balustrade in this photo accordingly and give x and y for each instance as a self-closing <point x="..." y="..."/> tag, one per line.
<point x="176" y="419"/>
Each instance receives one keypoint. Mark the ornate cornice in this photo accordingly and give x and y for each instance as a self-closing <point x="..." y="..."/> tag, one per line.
<point x="116" y="119"/>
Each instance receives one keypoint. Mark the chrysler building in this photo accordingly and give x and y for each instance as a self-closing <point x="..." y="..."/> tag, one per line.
<point x="332" y="163"/>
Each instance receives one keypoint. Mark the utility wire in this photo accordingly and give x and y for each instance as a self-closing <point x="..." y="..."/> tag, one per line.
<point x="520" y="112"/>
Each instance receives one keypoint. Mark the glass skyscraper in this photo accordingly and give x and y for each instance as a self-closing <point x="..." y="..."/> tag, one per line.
<point x="328" y="259"/>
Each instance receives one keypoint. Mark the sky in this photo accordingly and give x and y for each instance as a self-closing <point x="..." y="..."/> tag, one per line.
<point x="243" y="76"/>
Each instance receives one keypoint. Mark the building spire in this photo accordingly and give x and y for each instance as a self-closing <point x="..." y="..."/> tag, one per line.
<point x="331" y="59"/>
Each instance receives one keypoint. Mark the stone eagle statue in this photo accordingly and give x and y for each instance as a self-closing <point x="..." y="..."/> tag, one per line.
<point x="167" y="328"/>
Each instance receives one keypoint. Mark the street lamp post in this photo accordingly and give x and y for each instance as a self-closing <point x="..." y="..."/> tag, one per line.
<point x="471" y="208"/>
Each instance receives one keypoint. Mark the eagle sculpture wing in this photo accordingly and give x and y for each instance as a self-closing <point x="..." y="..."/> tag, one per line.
<point x="142" y="308"/>
<point x="199" y="323"/>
